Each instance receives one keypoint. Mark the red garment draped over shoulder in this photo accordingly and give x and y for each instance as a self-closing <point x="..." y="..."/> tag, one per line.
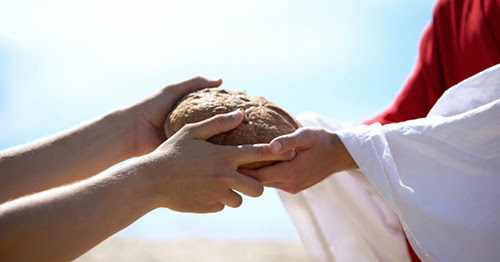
<point x="462" y="40"/>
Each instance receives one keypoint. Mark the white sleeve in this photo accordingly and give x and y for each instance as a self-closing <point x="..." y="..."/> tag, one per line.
<point x="442" y="176"/>
<point x="340" y="220"/>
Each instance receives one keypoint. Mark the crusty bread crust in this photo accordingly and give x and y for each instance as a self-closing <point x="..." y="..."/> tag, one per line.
<point x="263" y="119"/>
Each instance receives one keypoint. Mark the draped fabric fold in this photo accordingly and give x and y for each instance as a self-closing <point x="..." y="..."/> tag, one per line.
<point x="439" y="175"/>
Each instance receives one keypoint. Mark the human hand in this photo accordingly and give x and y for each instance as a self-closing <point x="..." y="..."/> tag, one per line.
<point x="319" y="154"/>
<point x="193" y="175"/>
<point x="149" y="115"/>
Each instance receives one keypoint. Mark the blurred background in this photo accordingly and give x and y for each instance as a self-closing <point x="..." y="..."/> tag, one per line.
<point x="64" y="62"/>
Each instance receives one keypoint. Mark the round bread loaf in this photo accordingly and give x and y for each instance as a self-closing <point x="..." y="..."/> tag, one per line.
<point x="262" y="123"/>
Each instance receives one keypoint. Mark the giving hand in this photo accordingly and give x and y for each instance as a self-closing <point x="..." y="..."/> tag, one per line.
<point x="319" y="154"/>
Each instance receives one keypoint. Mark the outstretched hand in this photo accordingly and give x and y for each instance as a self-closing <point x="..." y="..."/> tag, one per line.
<point x="319" y="154"/>
<point x="150" y="113"/>
<point x="197" y="176"/>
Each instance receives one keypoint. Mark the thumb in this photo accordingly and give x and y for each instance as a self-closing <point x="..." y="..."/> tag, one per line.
<point x="300" y="138"/>
<point x="215" y="125"/>
<point x="193" y="84"/>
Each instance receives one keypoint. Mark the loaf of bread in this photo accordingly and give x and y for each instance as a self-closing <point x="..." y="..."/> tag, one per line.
<point x="262" y="123"/>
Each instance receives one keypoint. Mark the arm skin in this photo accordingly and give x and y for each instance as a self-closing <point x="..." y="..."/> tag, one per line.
<point x="319" y="154"/>
<point x="90" y="148"/>
<point x="185" y="173"/>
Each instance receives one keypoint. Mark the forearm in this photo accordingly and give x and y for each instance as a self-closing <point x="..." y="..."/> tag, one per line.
<point x="74" y="155"/>
<point x="63" y="223"/>
<point x="92" y="147"/>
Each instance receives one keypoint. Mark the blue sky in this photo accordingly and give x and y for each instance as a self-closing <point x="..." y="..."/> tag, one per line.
<point x="64" y="62"/>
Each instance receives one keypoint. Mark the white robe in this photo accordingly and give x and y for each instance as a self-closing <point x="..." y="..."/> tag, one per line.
<point x="439" y="176"/>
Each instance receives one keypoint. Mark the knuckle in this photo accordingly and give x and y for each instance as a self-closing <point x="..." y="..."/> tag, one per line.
<point x="218" y="120"/>
<point x="198" y="79"/>
<point x="189" y="126"/>
<point x="184" y="129"/>
<point x="223" y="161"/>
<point x="287" y="141"/>
<point x="224" y="178"/>
<point x="301" y="131"/>
<point x="260" y="151"/>
<point x="188" y="129"/>
<point x="308" y="134"/>
<point x="293" y="140"/>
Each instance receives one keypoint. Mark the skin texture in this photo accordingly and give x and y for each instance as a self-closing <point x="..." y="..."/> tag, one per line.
<point x="90" y="148"/>
<point x="66" y="209"/>
<point x="190" y="156"/>
<point x="263" y="119"/>
<point x="319" y="154"/>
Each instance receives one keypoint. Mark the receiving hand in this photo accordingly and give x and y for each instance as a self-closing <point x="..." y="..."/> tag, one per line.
<point x="319" y="154"/>
<point x="197" y="176"/>
<point x="150" y="114"/>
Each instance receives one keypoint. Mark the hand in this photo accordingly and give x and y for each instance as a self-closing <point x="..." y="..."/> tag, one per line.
<point x="87" y="149"/>
<point x="149" y="115"/>
<point x="319" y="154"/>
<point x="193" y="175"/>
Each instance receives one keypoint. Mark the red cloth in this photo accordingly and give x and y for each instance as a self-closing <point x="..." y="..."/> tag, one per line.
<point x="462" y="40"/>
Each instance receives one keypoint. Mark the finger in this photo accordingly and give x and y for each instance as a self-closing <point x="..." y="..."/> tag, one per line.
<point x="246" y="185"/>
<point x="286" y="188"/>
<point x="277" y="173"/>
<point x="277" y="185"/>
<point x="300" y="138"/>
<point x="214" y="208"/>
<point x="215" y="125"/>
<point x="269" y="183"/>
<point x="245" y="154"/>
<point x="231" y="198"/>
<point x="249" y="172"/>
<point x="193" y="84"/>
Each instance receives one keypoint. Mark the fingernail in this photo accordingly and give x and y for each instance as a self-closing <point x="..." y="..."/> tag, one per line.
<point x="293" y="154"/>
<point x="276" y="146"/>
<point x="236" y="115"/>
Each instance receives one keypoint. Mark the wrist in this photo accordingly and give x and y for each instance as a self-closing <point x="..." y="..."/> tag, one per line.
<point x="344" y="159"/>
<point x="141" y="183"/>
<point x="145" y="122"/>
<point x="122" y="124"/>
